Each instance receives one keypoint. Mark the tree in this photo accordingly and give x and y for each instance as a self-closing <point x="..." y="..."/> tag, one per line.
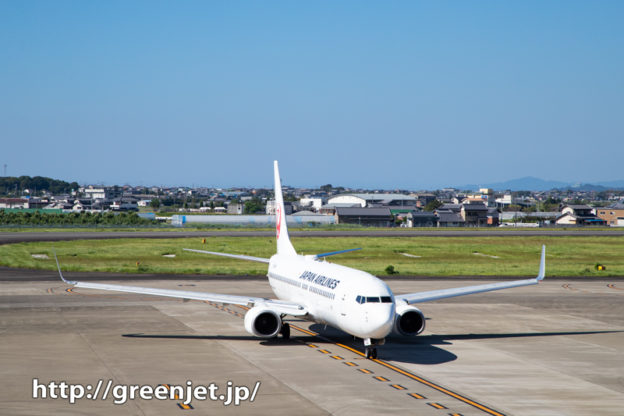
<point x="253" y="206"/>
<point x="155" y="203"/>
<point x="433" y="205"/>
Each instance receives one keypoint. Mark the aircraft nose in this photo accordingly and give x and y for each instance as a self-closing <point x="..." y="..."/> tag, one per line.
<point x="382" y="321"/>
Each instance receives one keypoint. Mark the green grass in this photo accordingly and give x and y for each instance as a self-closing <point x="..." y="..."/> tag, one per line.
<point x="440" y="256"/>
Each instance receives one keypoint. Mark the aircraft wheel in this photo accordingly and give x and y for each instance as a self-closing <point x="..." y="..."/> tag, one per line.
<point x="371" y="353"/>
<point x="286" y="331"/>
<point x="374" y="355"/>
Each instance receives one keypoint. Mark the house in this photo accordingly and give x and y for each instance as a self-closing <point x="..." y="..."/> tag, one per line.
<point x="421" y="219"/>
<point x="14" y="203"/>
<point x="423" y="199"/>
<point x="81" y="205"/>
<point x="448" y="218"/>
<point x="235" y="208"/>
<point x="124" y="206"/>
<point x="579" y="215"/>
<point x="493" y="217"/>
<point x="96" y="193"/>
<point x="456" y="208"/>
<point x="612" y="213"/>
<point x="474" y="214"/>
<point x="372" y="217"/>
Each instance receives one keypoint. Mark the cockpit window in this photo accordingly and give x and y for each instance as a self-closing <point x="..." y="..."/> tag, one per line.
<point x="373" y="299"/>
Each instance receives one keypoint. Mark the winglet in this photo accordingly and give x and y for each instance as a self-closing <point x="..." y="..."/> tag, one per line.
<point x="542" y="269"/>
<point x="58" y="266"/>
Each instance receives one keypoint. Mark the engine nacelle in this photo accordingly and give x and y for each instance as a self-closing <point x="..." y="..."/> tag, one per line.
<point x="262" y="322"/>
<point x="409" y="321"/>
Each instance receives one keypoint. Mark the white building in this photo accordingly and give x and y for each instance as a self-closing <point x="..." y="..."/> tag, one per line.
<point x="14" y="203"/>
<point x="313" y="203"/>
<point x="365" y="200"/>
<point x="270" y="207"/>
<point x="95" y="193"/>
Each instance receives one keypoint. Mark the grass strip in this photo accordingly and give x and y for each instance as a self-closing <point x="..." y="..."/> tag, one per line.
<point x="439" y="256"/>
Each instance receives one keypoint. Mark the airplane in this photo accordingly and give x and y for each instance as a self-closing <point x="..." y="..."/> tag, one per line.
<point x="309" y="287"/>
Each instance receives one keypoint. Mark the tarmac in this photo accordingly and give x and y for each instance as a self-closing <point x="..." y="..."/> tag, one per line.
<point x="552" y="349"/>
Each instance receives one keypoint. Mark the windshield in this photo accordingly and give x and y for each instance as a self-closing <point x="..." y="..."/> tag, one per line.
<point x="373" y="299"/>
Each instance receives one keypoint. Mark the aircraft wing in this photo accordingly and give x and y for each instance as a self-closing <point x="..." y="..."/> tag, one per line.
<point x="279" y="306"/>
<point x="469" y="290"/>
<point x="234" y="256"/>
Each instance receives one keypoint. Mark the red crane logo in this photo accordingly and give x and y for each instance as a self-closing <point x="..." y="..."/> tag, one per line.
<point x="278" y="225"/>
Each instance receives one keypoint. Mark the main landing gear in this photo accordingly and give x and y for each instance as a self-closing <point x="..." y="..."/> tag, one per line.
<point x="285" y="331"/>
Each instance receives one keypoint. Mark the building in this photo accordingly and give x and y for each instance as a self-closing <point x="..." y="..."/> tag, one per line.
<point x="448" y="218"/>
<point x="423" y="199"/>
<point x="485" y="195"/>
<point x="235" y="208"/>
<point x="252" y="220"/>
<point x="314" y="204"/>
<point x="579" y="215"/>
<point x="13" y="203"/>
<point x="612" y="213"/>
<point x="96" y="193"/>
<point x="421" y="219"/>
<point x="519" y="216"/>
<point x="456" y="208"/>
<point x="124" y="206"/>
<point x="474" y="214"/>
<point x="368" y="200"/>
<point x="493" y="217"/>
<point x="270" y="207"/>
<point x="82" y="205"/>
<point x="371" y="217"/>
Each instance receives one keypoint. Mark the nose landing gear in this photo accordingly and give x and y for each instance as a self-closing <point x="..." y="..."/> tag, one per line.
<point x="371" y="353"/>
<point x="370" y="349"/>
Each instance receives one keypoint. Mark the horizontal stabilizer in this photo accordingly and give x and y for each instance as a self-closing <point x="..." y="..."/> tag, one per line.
<point x="331" y="253"/>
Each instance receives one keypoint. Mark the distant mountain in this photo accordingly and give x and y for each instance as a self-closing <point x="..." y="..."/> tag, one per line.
<point x="612" y="184"/>
<point x="530" y="183"/>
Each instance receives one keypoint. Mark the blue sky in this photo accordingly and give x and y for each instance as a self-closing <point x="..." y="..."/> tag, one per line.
<point x="372" y="94"/>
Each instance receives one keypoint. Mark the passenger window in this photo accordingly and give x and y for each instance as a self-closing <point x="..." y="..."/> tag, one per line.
<point x="372" y="299"/>
<point x="386" y="299"/>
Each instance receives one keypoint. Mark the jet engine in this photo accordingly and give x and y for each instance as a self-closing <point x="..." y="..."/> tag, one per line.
<point x="262" y="322"/>
<point x="409" y="321"/>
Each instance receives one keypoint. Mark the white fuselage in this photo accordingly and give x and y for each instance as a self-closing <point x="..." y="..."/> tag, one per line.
<point x="330" y="293"/>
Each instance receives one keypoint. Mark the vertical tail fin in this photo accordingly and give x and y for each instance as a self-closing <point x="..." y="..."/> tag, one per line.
<point x="284" y="246"/>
